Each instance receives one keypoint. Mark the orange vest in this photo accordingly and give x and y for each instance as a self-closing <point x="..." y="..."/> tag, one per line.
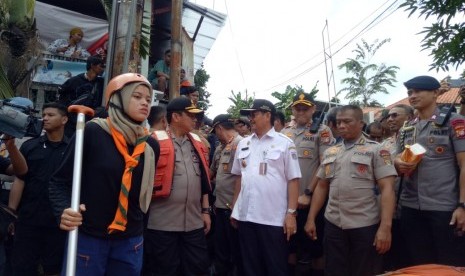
<point x="165" y="166"/>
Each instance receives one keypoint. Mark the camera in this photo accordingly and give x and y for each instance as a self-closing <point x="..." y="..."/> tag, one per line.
<point x="17" y="118"/>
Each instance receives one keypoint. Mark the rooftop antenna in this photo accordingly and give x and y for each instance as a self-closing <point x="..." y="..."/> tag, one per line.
<point x="328" y="56"/>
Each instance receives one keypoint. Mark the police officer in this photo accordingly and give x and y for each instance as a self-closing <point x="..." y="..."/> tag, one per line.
<point x="396" y="257"/>
<point x="357" y="228"/>
<point x="310" y="147"/>
<point x="242" y="126"/>
<point x="433" y="194"/>
<point x="179" y="220"/>
<point x="267" y="188"/>
<point x="227" y="255"/>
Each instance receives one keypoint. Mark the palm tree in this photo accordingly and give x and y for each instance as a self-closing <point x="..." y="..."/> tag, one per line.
<point x="18" y="46"/>
<point x="367" y="79"/>
<point x="239" y="103"/>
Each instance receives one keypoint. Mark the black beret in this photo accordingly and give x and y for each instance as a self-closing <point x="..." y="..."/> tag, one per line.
<point x="423" y="83"/>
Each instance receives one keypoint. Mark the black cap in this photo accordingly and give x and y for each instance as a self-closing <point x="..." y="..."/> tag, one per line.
<point x="302" y="98"/>
<point x="260" y="105"/>
<point x="243" y="120"/>
<point x="222" y="118"/>
<point x="423" y="83"/>
<point x="183" y="104"/>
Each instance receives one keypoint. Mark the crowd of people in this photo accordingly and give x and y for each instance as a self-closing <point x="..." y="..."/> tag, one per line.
<point x="161" y="194"/>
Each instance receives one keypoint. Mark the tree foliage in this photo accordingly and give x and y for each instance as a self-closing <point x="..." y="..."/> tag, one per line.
<point x="239" y="102"/>
<point x="201" y="78"/>
<point x="446" y="37"/>
<point x="144" y="46"/>
<point x="19" y="47"/>
<point x="285" y="98"/>
<point x="367" y="79"/>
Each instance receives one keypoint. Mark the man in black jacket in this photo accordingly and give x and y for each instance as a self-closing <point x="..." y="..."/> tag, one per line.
<point x="81" y="87"/>
<point x="37" y="236"/>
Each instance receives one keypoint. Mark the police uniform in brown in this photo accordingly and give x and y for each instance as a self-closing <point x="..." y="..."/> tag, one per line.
<point x="430" y="193"/>
<point x="353" y="212"/>
<point x="310" y="148"/>
<point x="176" y="223"/>
<point x="227" y="252"/>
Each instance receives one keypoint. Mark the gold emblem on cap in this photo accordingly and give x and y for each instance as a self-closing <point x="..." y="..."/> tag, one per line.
<point x="301" y="97"/>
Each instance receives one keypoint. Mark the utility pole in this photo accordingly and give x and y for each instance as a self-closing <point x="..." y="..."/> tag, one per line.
<point x="176" y="48"/>
<point x="124" y="38"/>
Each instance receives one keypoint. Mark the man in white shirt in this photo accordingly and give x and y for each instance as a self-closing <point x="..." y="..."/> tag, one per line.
<point x="267" y="188"/>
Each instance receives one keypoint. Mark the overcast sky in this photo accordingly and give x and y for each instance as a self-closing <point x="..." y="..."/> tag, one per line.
<point x="267" y="45"/>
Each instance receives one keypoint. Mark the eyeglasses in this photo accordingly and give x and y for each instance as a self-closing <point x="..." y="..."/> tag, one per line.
<point x="394" y="115"/>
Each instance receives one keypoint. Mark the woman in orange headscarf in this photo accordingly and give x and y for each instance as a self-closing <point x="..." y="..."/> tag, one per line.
<point x="70" y="47"/>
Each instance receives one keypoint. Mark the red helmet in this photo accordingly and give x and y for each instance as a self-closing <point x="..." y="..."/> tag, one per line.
<point x="118" y="82"/>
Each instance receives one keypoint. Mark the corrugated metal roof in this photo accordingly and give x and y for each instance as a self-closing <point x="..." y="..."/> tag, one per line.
<point x="446" y="98"/>
<point x="203" y="25"/>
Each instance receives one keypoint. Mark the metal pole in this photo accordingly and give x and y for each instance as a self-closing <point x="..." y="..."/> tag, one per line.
<point x="111" y="44"/>
<point x="129" y="35"/>
<point x="76" y="190"/>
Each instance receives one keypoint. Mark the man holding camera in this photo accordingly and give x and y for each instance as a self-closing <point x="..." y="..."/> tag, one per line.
<point x="37" y="236"/>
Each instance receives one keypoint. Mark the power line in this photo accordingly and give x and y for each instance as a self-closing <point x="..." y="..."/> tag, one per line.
<point x="339" y="39"/>
<point x="234" y="44"/>
<point x="368" y="27"/>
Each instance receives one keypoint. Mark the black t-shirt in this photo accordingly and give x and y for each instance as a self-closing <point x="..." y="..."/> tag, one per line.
<point x="78" y="87"/>
<point x="102" y="171"/>
<point x="43" y="157"/>
<point x="4" y="164"/>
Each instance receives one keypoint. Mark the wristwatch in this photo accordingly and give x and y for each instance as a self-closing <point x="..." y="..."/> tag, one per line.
<point x="307" y="192"/>
<point x="208" y="210"/>
<point x="292" y="212"/>
<point x="461" y="205"/>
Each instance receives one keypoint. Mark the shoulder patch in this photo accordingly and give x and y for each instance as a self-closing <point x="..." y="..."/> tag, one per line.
<point x="325" y="136"/>
<point x="459" y="127"/>
<point x="386" y="155"/>
<point x="160" y="135"/>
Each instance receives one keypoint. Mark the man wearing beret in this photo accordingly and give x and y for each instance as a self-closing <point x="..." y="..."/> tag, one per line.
<point x="227" y="257"/>
<point x="267" y="187"/>
<point x="310" y="147"/>
<point x="433" y="193"/>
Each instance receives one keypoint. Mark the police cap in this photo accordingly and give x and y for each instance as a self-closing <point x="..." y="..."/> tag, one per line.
<point x="302" y="98"/>
<point x="182" y="104"/>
